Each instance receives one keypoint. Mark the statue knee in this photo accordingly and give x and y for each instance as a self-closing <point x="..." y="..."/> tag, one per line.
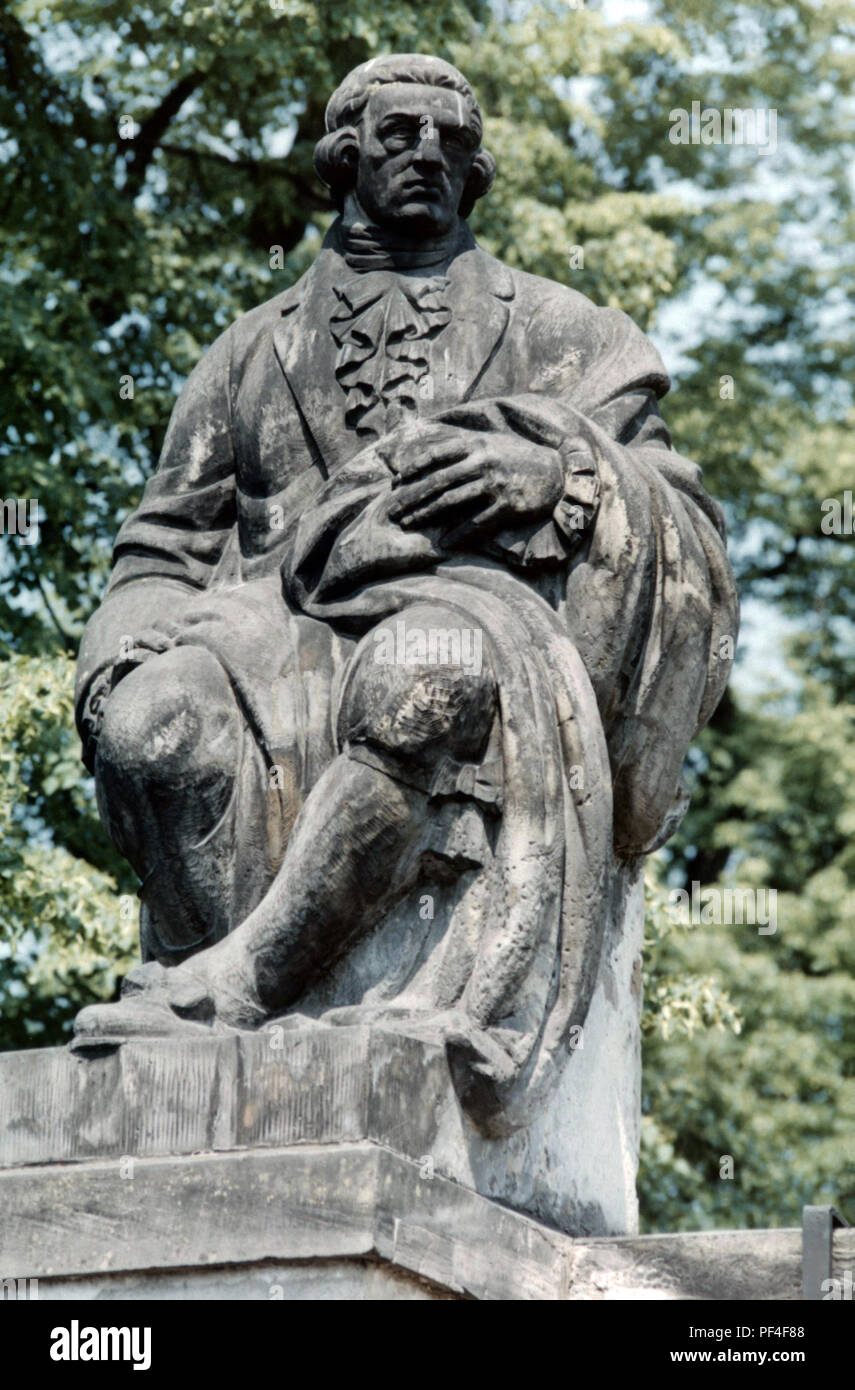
<point x="421" y="687"/>
<point x="170" y="722"/>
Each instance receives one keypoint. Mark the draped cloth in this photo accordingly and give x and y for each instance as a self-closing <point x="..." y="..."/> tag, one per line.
<point x="600" y="691"/>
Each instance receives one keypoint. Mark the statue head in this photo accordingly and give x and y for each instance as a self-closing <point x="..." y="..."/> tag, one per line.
<point x="404" y="136"/>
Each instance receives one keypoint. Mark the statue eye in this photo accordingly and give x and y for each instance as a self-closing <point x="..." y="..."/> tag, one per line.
<point x="399" y="134"/>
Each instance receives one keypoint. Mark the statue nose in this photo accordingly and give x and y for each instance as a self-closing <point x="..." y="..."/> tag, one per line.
<point x="428" y="151"/>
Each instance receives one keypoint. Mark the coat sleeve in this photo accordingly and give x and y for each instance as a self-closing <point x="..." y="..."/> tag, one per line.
<point x="167" y="551"/>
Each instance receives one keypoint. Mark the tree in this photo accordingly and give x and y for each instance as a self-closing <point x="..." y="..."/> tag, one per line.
<point x="157" y="167"/>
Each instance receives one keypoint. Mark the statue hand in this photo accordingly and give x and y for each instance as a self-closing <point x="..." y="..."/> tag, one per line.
<point x="148" y="643"/>
<point x="481" y="482"/>
<point x="152" y="641"/>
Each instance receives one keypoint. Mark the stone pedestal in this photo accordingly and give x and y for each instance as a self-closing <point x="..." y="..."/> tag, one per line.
<point x="347" y="1221"/>
<point x="151" y="1166"/>
<point x="325" y="1164"/>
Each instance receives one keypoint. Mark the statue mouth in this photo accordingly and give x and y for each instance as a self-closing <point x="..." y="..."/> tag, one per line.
<point x="421" y="189"/>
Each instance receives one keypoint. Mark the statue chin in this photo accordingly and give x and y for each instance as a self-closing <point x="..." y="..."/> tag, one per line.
<point x="417" y="220"/>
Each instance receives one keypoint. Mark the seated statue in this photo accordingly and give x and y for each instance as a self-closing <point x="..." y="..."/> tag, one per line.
<point x="408" y="637"/>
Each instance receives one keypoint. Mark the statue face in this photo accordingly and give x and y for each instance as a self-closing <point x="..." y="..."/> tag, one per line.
<point x="416" y="148"/>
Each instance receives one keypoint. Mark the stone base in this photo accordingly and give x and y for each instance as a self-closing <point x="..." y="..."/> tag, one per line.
<point x="328" y="1163"/>
<point x="365" y="1220"/>
<point x="318" y="1084"/>
<point x="315" y="1161"/>
<point x="349" y="1222"/>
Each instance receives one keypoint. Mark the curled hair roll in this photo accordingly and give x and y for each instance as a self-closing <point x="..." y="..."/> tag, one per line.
<point x="480" y="181"/>
<point x="336" y="157"/>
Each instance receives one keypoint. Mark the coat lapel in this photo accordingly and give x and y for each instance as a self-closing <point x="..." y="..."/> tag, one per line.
<point x="307" y="355"/>
<point x="481" y="293"/>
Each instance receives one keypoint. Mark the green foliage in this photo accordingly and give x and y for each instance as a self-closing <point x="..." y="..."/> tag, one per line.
<point x="125" y="257"/>
<point x="677" y="1004"/>
<point x="778" y="1093"/>
<point x="67" y="935"/>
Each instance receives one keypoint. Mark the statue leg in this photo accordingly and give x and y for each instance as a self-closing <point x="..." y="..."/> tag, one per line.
<point x="164" y="775"/>
<point x="357" y="845"/>
<point x="358" y="842"/>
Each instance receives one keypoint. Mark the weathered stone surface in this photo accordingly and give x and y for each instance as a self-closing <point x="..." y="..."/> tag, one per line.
<point x="308" y="1203"/>
<point x="352" y="1221"/>
<point x="319" y="1084"/>
<point x="390" y="693"/>
<point x="351" y="1281"/>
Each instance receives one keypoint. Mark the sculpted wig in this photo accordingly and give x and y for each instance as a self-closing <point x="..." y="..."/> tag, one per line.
<point x="336" y="154"/>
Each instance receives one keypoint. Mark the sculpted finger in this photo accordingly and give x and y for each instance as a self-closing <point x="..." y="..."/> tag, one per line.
<point x="422" y="458"/>
<point x="466" y="496"/>
<point x="415" y="494"/>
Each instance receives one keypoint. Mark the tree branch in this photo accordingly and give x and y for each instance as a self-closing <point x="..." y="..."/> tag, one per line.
<point x="152" y="130"/>
<point x="192" y="152"/>
<point x="273" y="168"/>
<point x="30" y="79"/>
<point x="67" y="641"/>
